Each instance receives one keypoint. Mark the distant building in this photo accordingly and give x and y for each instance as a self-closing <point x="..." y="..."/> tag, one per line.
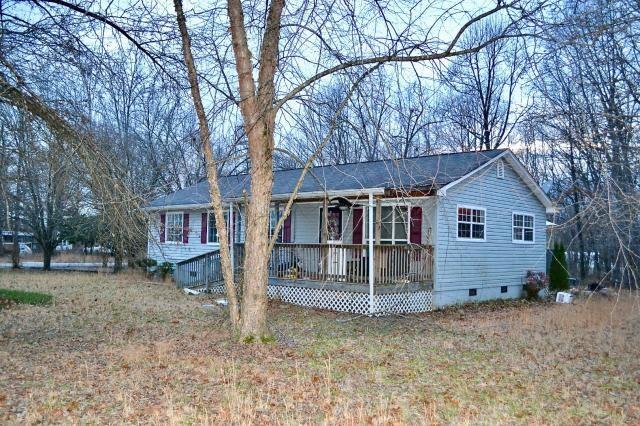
<point x="23" y="237"/>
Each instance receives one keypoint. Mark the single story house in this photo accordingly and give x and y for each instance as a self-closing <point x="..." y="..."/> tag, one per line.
<point x="403" y="235"/>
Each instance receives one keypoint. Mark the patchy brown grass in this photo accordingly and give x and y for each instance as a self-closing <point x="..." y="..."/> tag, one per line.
<point x="117" y="349"/>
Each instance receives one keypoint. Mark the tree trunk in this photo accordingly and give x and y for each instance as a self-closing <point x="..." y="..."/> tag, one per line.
<point x="256" y="272"/>
<point x="47" y="252"/>
<point x="15" y="249"/>
<point x="117" y="262"/>
<point x="212" y="173"/>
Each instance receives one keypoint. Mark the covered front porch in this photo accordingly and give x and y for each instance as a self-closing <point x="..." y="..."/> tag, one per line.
<point x="340" y="253"/>
<point x="340" y="277"/>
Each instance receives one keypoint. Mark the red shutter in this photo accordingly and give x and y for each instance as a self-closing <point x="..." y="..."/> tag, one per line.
<point x="203" y="228"/>
<point x="286" y="230"/>
<point x="185" y="228"/>
<point x="415" y="236"/>
<point x="163" y="224"/>
<point x="357" y="226"/>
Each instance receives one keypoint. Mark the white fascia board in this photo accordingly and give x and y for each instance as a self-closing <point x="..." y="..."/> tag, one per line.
<point x="278" y="197"/>
<point x="530" y="181"/>
<point x="177" y="207"/>
<point x="339" y="193"/>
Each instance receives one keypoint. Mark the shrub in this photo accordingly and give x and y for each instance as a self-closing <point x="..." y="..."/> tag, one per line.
<point x="146" y="263"/>
<point x="558" y="273"/>
<point x="165" y="269"/>
<point x="535" y="282"/>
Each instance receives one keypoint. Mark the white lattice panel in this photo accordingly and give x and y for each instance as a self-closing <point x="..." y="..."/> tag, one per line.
<point x="404" y="303"/>
<point x="345" y="301"/>
<point x="333" y="300"/>
<point x="218" y="289"/>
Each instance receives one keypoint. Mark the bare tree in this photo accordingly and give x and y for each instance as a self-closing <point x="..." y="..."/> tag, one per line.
<point x="259" y="105"/>
<point x="588" y="121"/>
<point x="482" y="99"/>
<point x="297" y="46"/>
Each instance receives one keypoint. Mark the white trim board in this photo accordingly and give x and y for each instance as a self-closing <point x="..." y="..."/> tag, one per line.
<point x="276" y="197"/>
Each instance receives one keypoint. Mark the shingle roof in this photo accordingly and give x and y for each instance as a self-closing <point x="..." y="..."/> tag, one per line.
<point x="431" y="171"/>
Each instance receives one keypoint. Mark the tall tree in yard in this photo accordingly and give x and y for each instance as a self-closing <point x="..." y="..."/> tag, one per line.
<point x="298" y="46"/>
<point x="259" y="106"/>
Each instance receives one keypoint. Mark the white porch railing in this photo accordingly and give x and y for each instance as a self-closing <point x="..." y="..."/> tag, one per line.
<point x="341" y="263"/>
<point x="349" y="263"/>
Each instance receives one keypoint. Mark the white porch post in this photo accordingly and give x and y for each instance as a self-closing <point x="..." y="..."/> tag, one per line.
<point x="232" y="240"/>
<point x="371" y="262"/>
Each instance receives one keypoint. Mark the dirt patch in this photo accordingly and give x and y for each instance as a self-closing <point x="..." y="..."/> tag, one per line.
<point x="115" y="349"/>
<point x="6" y="303"/>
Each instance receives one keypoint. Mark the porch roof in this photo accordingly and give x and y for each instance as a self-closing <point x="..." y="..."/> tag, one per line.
<point x="406" y="174"/>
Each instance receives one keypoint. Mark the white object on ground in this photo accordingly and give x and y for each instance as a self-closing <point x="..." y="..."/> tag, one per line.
<point x="222" y="302"/>
<point x="563" y="297"/>
<point x="191" y="291"/>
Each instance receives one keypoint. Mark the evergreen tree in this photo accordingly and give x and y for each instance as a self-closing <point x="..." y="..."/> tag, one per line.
<point x="558" y="273"/>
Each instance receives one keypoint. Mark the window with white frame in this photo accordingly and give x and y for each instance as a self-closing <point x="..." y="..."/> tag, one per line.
<point x="523" y="228"/>
<point x="174" y="228"/>
<point x="471" y="223"/>
<point x="212" y="231"/>
<point x="394" y="224"/>
<point x="274" y="217"/>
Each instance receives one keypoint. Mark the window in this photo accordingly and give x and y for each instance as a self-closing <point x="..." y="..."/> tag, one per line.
<point x="274" y="217"/>
<point x="523" y="228"/>
<point x="174" y="228"/>
<point x="212" y="231"/>
<point x="471" y="223"/>
<point x="238" y="217"/>
<point x="500" y="169"/>
<point x="394" y="224"/>
<point x="504" y="289"/>
<point x="473" y="292"/>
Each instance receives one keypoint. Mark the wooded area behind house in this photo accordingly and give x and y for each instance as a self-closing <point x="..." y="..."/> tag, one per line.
<point x="97" y="117"/>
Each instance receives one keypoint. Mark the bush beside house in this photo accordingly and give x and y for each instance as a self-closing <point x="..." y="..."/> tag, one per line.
<point x="558" y="273"/>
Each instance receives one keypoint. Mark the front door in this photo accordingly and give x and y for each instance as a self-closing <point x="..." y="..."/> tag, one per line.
<point x="336" y="255"/>
<point x="334" y="225"/>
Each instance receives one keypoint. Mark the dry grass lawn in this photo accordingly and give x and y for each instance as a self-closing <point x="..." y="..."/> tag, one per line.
<point x="116" y="349"/>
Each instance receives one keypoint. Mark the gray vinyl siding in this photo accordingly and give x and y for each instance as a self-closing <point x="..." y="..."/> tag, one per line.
<point x="305" y="229"/>
<point x="305" y="222"/>
<point x="175" y="252"/>
<point x="497" y="261"/>
<point x="429" y="218"/>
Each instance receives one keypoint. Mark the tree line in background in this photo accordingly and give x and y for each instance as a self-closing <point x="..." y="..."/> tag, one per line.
<point x="557" y="82"/>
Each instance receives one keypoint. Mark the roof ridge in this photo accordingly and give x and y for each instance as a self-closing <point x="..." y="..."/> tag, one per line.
<point x="368" y="174"/>
<point x="376" y="161"/>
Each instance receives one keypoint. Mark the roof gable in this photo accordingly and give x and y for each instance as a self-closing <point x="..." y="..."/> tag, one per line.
<point x="520" y="170"/>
